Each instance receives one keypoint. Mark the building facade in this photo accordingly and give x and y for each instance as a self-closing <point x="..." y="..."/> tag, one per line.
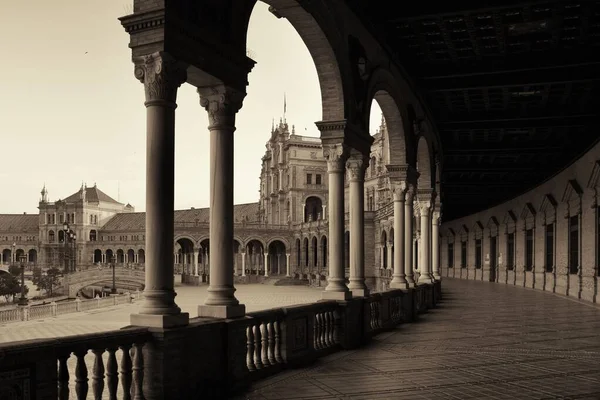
<point x="286" y="226"/>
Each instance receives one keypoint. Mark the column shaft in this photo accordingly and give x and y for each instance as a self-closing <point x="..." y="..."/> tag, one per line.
<point x="244" y="263"/>
<point x="399" y="279"/>
<point x="435" y="245"/>
<point x="356" y="166"/>
<point x="222" y="103"/>
<point x="287" y="264"/>
<point x="336" y="286"/>
<point x="424" y="245"/>
<point x="408" y="239"/>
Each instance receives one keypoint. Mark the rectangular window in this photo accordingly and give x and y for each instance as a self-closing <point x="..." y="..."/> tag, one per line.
<point x="478" y="250"/>
<point x="574" y="244"/>
<point x="450" y="255"/>
<point x="549" y="247"/>
<point x="510" y="251"/>
<point x="318" y="179"/>
<point x="529" y="250"/>
<point x="61" y="218"/>
<point x="309" y="179"/>
<point x="463" y="254"/>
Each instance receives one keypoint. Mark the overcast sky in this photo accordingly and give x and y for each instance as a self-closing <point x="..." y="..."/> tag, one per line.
<point x="71" y="110"/>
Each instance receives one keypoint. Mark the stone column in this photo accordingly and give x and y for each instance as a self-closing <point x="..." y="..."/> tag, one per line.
<point x="408" y="237"/>
<point x="161" y="76"/>
<point x="355" y="167"/>
<point x="287" y="264"/>
<point x="390" y="254"/>
<point x="399" y="279"/>
<point x="196" y="262"/>
<point x="266" y="256"/>
<point x="222" y="104"/>
<point x="435" y="245"/>
<point x="424" y="248"/>
<point x="243" y="263"/>
<point x="336" y="155"/>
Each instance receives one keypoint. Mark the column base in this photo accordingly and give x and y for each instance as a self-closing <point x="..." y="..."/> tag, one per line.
<point x="425" y="279"/>
<point x="363" y="292"/>
<point x="225" y="312"/>
<point x="329" y="295"/>
<point x="160" y="320"/>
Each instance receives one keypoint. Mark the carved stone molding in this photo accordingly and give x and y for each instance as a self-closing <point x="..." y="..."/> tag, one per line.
<point x="222" y="103"/>
<point x="399" y="190"/>
<point x="402" y="172"/>
<point x="424" y="206"/>
<point x="336" y="156"/>
<point x="356" y="166"/>
<point x="161" y="75"/>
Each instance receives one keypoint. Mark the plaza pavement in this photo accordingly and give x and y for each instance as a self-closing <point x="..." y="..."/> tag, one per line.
<point x="484" y="341"/>
<point x="255" y="297"/>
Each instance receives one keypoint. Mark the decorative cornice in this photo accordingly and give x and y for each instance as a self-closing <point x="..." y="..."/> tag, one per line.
<point x="478" y="226"/>
<point x="571" y="187"/>
<point x="528" y="210"/>
<point x="329" y="126"/>
<point x="548" y="201"/>
<point x="509" y="217"/>
<point x="136" y="23"/>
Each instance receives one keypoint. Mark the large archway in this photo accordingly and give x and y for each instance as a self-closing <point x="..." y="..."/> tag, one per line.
<point x="6" y="256"/>
<point x="97" y="256"/>
<point x="184" y="249"/>
<point x="32" y="254"/>
<point x="424" y="165"/>
<point x="277" y="259"/>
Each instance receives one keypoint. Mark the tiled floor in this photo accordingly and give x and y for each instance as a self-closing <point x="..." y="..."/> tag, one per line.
<point x="485" y="341"/>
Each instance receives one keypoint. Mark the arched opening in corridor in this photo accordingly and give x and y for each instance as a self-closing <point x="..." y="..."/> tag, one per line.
<point x="184" y="255"/>
<point x="204" y="258"/>
<point x="305" y="251"/>
<point x="33" y="256"/>
<point x="314" y="247"/>
<point x="313" y="209"/>
<point x="120" y="256"/>
<point x="324" y="252"/>
<point x="110" y="256"/>
<point x="256" y="257"/>
<point x="141" y="256"/>
<point x="130" y="256"/>
<point x="20" y="256"/>
<point x="384" y="250"/>
<point x="6" y="256"/>
<point x="237" y="257"/>
<point x="276" y="262"/>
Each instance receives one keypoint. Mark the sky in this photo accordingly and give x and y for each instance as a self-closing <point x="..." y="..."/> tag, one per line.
<point x="71" y="110"/>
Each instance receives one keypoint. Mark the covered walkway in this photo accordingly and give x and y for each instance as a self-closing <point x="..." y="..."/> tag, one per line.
<point x="485" y="341"/>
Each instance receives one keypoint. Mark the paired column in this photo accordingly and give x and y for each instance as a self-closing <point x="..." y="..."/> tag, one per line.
<point x="435" y="245"/>
<point x="356" y="166"/>
<point x="408" y="236"/>
<point x="222" y="104"/>
<point x="243" y="263"/>
<point x="161" y="76"/>
<point x="287" y="264"/>
<point x="266" y="257"/>
<point x="196" y="262"/>
<point x="425" y="242"/>
<point x="336" y="156"/>
<point x="399" y="279"/>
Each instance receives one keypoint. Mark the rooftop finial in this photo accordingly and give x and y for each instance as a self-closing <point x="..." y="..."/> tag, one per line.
<point x="273" y="125"/>
<point x="284" y="106"/>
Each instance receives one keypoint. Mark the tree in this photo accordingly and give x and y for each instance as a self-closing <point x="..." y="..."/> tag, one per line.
<point x="49" y="281"/>
<point x="14" y="270"/>
<point x="37" y="275"/>
<point x="9" y="286"/>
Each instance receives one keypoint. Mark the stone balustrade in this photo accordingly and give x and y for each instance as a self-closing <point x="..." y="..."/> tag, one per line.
<point x="54" y="309"/>
<point x="209" y="358"/>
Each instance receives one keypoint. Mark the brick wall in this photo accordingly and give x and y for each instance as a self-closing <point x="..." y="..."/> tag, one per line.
<point x="571" y="193"/>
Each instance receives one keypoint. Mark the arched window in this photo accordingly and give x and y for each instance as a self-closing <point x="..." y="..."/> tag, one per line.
<point x="51" y="237"/>
<point x="93" y="235"/>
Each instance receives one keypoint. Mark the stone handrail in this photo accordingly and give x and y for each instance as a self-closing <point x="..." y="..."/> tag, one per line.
<point x="29" y="358"/>
<point x="54" y="309"/>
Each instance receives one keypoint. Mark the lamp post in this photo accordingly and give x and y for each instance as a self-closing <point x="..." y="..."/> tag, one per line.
<point x="23" y="300"/>
<point x="69" y="235"/>
<point x="114" y="286"/>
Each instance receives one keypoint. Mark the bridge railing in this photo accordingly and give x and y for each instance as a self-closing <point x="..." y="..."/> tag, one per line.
<point x="167" y="363"/>
<point x="54" y="309"/>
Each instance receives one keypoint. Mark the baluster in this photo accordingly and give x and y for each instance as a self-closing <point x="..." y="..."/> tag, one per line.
<point x="138" y="371"/>
<point x="126" y="371"/>
<point x="319" y="327"/>
<point x="63" y="377"/>
<point x="372" y="315"/>
<point x="98" y="374"/>
<point x="112" y="373"/>
<point x="271" y="352"/>
<point x="81" y="375"/>
<point x="250" y="349"/>
<point x="265" y="344"/>
<point x="277" y="329"/>
<point x="330" y="325"/>
<point x="325" y="330"/>
<point x="257" y="362"/>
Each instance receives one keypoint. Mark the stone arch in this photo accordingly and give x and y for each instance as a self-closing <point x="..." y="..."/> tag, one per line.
<point x="120" y="256"/>
<point x="280" y="239"/>
<point x="382" y="88"/>
<point x="425" y="167"/>
<point x="313" y="208"/>
<point x="51" y="236"/>
<point x="130" y="255"/>
<point x="277" y="256"/>
<point x="6" y="255"/>
<point x="93" y="235"/>
<point x="109" y="256"/>
<point x="184" y="236"/>
<point x="32" y="253"/>
<point x="141" y="256"/>
<point x="256" y="239"/>
<point x="18" y="254"/>
<point x="317" y="37"/>
<point x="255" y="250"/>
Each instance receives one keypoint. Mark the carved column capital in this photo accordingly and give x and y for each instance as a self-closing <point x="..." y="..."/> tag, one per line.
<point x="222" y="103"/>
<point x="424" y="206"/>
<point x="410" y="193"/>
<point x="436" y="216"/>
<point x="356" y="165"/>
<point x="336" y="156"/>
<point x="161" y="75"/>
<point x="399" y="190"/>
